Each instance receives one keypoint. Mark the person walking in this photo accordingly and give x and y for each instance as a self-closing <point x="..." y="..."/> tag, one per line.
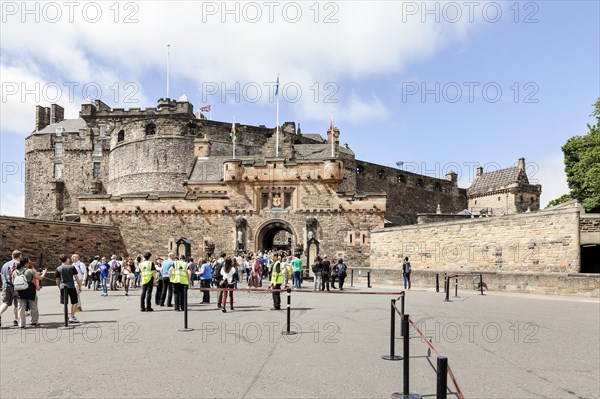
<point x="218" y="277"/>
<point x="297" y="270"/>
<point x="81" y="273"/>
<point x="8" y="293"/>
<point x="205" y="277"/>
<point x="146" y="267"/>
<point x="126" y="273"/>
<point x="114" y="272"/>
<point x="316" y="269"/>
<point x="157" y="276"/>
<point x="103" y="269"/>
<point x="93" y="279"/>
<point x="167" y="287"/>
<point x="136" y="271"/>
<point x="193" y="269"/>
<point x="406" y="270"/>
<point x="276" y="282"/>
<point x="66" y="276"/>
<point x="325" y="273"/>
<point x="341" y="268"/>
<point x="334" y="275"/>
<point x="179" y="275"/>
<point x="228" y="272"/>
<point x="28" y="296"/>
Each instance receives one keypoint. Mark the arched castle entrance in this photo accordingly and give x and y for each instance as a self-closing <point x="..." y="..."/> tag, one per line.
<point x="276" y="234"/>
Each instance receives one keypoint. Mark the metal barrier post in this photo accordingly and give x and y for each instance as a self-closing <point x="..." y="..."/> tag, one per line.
<point x="455" y="286"/>
<point x="369" y="279"/>
<point x="437" y="282"/>
<point x="185" y="310"/>
<point x="445" y="277"/>
<point x="352" y="278"/>
<point x="447" y="288"/>
<point x="442" y="377"/>
<point x="392" y="355"/>
<point x="289" y="314"/>
<point x="405" y="375"/>
<point x="402" y="310"/>
<point x="481" y="284"/>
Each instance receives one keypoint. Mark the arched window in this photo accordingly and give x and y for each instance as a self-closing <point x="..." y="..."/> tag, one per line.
<point x="401" y="179"/>
<point x="360" y="170"/>
<point x="121" y="136"/>
<point x="419" y="182"/>
<point x="381" y="174"/>
<point x="150" y="129"/>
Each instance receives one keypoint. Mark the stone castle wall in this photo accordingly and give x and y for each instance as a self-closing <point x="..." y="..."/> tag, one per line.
<point x="45" y="239"/>
<point x="545" y="241"/>
<point x="409" y="193"/>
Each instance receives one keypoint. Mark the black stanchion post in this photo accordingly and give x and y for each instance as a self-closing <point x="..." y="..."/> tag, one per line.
<point x="65" y="298"/>
<point x="455" y="286"/>
<point x="442" y="377"/>
<point x="392" y="355"/>
<point x="481" y="284"/>
<point x="369" y="279"/>
<point x="437" y="282"/>
<point x="402" y="303"/>
<point x="352" y="278"/>
<point x="445" y="278"/>
<point x="185" y="310"/>
<point x="447" y="288"/>
<point x="405" y="370"/>
<point x="289" y="314"/>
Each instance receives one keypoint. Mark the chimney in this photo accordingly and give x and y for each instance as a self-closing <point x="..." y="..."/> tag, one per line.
<point x="522" y="164"/>
<point x="42" y="117"/>
<point x="57" y="112"/>
<point x="479" y="171"/>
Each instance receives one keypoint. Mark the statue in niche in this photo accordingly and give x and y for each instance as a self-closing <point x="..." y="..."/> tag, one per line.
<point x="240" y="225"/>
<point x="311" y="227"/>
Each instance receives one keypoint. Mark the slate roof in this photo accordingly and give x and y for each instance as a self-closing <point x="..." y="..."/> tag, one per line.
<point x="316" y="137"/>
<point x="70" y="126"/>
<point x="317" y="151"/>
<point x="497" y="179"/>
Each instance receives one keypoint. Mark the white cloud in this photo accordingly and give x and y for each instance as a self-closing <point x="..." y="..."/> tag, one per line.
<point x="369" y="39"/>
<point x="12" y="205"/>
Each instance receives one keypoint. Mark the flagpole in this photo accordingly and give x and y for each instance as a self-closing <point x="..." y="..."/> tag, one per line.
<point x="332" y="138"/>
<point x="168" y="56"/>
<point x="234" y="138"/>
<point x="277" y="139"/>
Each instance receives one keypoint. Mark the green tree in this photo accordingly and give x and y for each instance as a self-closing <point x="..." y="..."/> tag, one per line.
<point x="582" y="165"/>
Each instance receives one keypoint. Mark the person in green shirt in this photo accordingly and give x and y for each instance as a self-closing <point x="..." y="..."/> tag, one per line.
<point x="297" y="269"/>
<point x="28" y="296"/>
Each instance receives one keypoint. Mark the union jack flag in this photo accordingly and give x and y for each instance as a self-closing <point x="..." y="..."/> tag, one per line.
<point x="206" y="108"/>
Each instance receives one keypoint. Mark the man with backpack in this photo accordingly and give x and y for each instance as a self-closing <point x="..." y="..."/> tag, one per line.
<point x="25" y="288"/>
<point x="406" y="270"/>
<point x="341" y="270"/>
<point x="8" y="292"/>
<point x="115" y="270"/>
<point x="217" y="278"/>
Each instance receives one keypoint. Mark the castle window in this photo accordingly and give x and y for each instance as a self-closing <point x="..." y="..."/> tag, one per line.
<point x="97" y="150"/>
<point x="437" y="187"/>
<point x="498" y="198"/>
<point x="401" y="179"/>
<point x="82" y="133"/>
<point x="264" y="200"/>
<point x="150" y="129"/>
<point x="58" y="171"/>
<point x="419" y="182"/>
<point x="102" y="130"/>
<point x="287" y="200"/>
<point x="58" y="149"/>
<point x="381" y="174"/>
<point x="97" y="171"/>
<point x="121" y="136"/>
<point x="60" y="130"/>
<point x="360" y="170"/>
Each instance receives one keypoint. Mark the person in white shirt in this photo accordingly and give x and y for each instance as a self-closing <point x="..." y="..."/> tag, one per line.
<point x="82" y="273"/>
<point x="227" y="272"/>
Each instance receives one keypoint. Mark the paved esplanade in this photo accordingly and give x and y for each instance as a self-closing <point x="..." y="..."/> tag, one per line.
<point x="500" y="346"/>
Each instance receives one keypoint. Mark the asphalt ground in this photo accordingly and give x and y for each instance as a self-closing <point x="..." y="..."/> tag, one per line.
<point x="498" y="345"/>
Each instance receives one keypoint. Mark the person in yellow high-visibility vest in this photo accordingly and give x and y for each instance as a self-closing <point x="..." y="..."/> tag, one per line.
<point x="276" y="281"/>
<point x="179" y="275"/>
<point x="146" y="267"/>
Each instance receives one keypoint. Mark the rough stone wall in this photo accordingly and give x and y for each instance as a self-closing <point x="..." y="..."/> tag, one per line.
<point x="409" y="193"/>
<point x="545" y="241"/>
<point x="519" y="200"/>
<point x="437" y="218"/>
<point x="47" y="239"/>
<point x="589" y="229"/>
<point x="47" y="201"/>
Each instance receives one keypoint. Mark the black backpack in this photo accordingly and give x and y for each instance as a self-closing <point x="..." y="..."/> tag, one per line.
<point x="217" y="271"/>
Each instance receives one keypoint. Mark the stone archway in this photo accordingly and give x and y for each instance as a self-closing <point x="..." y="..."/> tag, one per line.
<point x="276" y="234"/>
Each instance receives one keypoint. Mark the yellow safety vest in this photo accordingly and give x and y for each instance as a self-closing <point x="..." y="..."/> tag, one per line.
<point x="146" y="271"/>
<point x="277" y="276"/>
<point x="179" y="275"/>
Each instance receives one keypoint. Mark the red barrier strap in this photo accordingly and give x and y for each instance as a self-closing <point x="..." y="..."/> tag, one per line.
<point x="303" y="291"/>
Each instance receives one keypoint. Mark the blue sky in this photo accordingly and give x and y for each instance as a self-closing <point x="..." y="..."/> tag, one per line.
<point x="497" y="86"/>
